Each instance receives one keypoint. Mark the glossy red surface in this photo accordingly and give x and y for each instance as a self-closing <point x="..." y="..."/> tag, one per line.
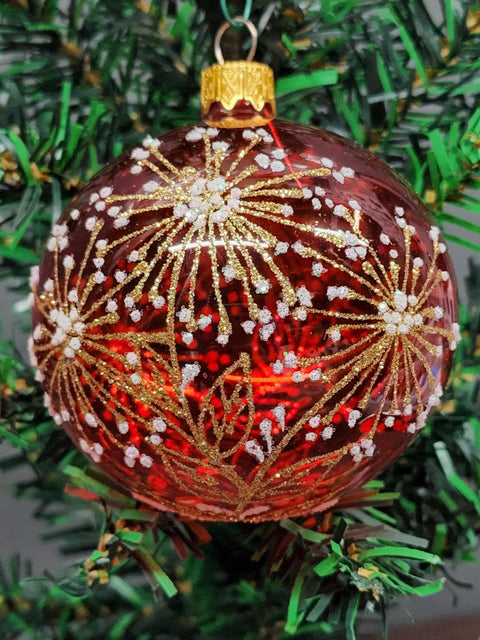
<point x="244" y="324"/>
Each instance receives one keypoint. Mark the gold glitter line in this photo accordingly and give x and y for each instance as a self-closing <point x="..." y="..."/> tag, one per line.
<point x="208" y="153"/>
<point x="381" y="364"/>
<point x="446" y="333"/>
<point x="242" y="274"/>
<point x="387" y="291"/>
<point x="422" y="359"/>
<point x="426" y="293"/>
<point x="394" y="373"/>
<point x="191" y="324"/>
<point x="307" y="362"/>
<point x="431" y="273"/>
<point x="224" y="325"/>
<point x="406" y="273"/>
<point x="93" y="237"/>
<point x="166" y="163"/>
<point x="416" y="383"/>
<point x="241" y="155"/>
<point x="213" y="452"/>
<point x="429" y="346"/>
<point x="408" y="379"/>
<point x="256" y="188"/>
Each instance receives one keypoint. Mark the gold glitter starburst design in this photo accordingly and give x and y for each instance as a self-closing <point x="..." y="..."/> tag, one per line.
<point x="125" y="385"/>
<point x="219" y="208"/>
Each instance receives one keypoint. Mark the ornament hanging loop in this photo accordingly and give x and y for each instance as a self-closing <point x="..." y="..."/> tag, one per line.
<point x="226" y="25"/>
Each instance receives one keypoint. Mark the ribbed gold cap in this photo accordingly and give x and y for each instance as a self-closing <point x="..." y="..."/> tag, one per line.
<point x="237" y="94"/>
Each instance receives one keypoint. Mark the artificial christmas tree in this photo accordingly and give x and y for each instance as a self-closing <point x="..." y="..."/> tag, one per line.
<point x="323" y="567"/>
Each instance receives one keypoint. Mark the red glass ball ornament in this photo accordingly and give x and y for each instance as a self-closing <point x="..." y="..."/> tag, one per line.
<point x="245" y="323"/>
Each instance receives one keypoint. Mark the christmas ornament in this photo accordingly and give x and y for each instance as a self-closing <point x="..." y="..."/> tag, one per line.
<point x="244" y="319"/>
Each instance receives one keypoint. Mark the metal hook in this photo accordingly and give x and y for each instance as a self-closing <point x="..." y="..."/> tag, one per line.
<point x="218" y="38"/>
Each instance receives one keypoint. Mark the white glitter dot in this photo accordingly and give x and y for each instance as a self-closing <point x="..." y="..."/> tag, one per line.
<point x="114" y="211"/>
<point x="131" y="357"/>
<point x="277" y="367"/>
<point x="204" y="321"/>
<point x="131" y="451"/>
<point x="277" y="166"/>
<point x="98" y="448"/>
<point x="384" y="239"/>
<point x="262" y="160"/>
<point x="297" y="376"/>
<point x="326" y="162"/>
<point x="315" y="375"/>
<point x="311" y="436"/>
<point x="99" y="277"/>
<point x="307" y="193"/>
<point x="282" y="309"/>
<point x="75" y="343"/>
<point x="155" y="439"/>
<point x="290" y="360"/>
<point x="123" y="427"/>
<point x="335" y="335"/>
<point x="266" y="331"/>
<point x="146" y="461"/>
<point x="91" y="420"/>
<point x="281" y="247"/>
<point x="184" y="314"/>
<point x="100" y="205"/>
<point x="120" y="275"/>
<point x="158" y="302"/>
<point x="187" y="337"/>
<point x="74" y="214"/>
<point x="328" y="432"/>
<point x="339" y="210"/>
<point x="139" y="154"/>
<point x="390" y="421"/>
<point x="159" y="424"/>
<point x="68" y="262"/>
<point x="393" y="253"/>
<point x="90" y="223"/>
<point x="339" y="177"/>
<point x="137" y="168"/>
<point x="112" y="306"/>
<point x="287" y="210"/>
<point x="400" y="211"/>
<point x="304" y="296"/>
<point x="136" y="315"/>
<point x="135" y="378"/>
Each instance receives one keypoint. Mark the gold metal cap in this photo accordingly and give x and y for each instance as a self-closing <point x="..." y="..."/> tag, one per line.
<point x="237" y="93"/>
